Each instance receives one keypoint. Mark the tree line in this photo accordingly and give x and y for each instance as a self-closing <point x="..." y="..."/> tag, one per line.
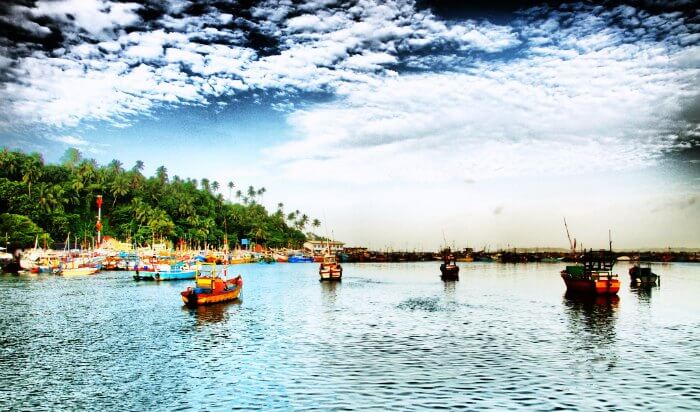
<point x="52" y="200"/>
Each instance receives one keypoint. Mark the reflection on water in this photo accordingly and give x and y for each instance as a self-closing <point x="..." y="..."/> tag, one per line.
<point x="389" y="337"/>
<point x="643" y="291"/>
<point x="592" y="323"/>
<point x="329" y="291"/>
<point x="212" y="313"/>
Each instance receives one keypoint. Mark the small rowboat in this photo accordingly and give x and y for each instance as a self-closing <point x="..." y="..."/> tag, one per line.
<point x="211" y="288"/>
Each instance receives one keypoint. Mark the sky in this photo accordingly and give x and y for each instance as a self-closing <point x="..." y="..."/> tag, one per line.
<point x="399" y="124"/>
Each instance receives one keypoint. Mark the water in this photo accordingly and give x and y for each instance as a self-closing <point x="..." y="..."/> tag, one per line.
<point x="390" y="336"/>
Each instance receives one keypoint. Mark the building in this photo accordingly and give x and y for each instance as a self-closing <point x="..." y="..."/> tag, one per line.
<point x="318" y="247"/>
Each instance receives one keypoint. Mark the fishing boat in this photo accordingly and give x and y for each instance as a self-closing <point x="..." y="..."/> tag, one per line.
<point x="330" y="269"/>
<point x="300" y="259"/>
<point x="80" y="271"/>
<point x="177" y="271"/>
<point x="643" y="275"/>
<point x="210" y="288"/>
<point x="449" y="269"/>
<point x="593" y="275"/>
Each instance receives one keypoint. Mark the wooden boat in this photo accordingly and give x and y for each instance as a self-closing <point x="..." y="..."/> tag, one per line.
<point x="593" y="276"/>
<point x="77" y="271"/>
<point x="300" y="259"/>
<point x="449" y="269"/>
<point x="211" y="288"/>
<point x="643" y="275"/>
<point x="330" y="269"/>
<point x="177" y="271"/>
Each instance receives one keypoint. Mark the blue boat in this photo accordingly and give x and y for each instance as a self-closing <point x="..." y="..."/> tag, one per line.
<point x="177" y="271"/>
<point x="300" y="259"/>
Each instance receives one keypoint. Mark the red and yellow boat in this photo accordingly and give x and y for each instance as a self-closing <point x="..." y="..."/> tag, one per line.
<point x="211" y="288"/>
<point x="593" y="275"/>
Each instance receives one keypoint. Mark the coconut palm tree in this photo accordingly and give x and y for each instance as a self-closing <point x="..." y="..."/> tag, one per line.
<point x="162" y="174"/>
<point x="230" y="188"/>
<point x="316" y="223"/>
<point x="116" y="166"/>
<point x="32" y="173"/>
<point x="214" y="185"/>
<point x="119" y="187"/>
<point x="138" y="166"/>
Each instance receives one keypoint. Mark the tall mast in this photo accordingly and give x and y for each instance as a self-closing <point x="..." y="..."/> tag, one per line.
<point x="571" y="245"/>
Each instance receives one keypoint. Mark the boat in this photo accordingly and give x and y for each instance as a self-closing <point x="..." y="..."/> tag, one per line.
<point x="210" y="288"/>
<point x="77" y="271"/>
<point x="449" y="269"/>
<point x="300" y="259"/>
<point x="177" y="271"/>
<point x="593" y="275"/>
<point x="643" y="275"/>
<point x="330" y="269"/>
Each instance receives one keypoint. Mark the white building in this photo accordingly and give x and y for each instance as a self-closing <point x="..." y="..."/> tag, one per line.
<point x="318" y="247"/>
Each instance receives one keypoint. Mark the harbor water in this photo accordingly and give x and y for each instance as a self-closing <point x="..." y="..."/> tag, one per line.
<point x="389" y="337"/>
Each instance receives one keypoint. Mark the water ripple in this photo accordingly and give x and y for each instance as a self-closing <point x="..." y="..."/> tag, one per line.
<point x="388" y="337"/>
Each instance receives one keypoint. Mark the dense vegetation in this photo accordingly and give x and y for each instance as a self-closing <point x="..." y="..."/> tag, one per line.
<point x="54" y="199"/>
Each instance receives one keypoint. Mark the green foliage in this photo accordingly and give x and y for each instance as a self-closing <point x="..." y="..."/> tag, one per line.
<point x="60" y="198"/>
<point x="21" y="231"/>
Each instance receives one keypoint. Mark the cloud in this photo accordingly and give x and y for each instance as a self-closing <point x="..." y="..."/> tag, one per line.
<point x="70" y="140"/>
<point x="565" y="90"/>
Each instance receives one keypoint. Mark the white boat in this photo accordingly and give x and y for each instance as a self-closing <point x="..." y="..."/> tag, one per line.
<point x="77" y="271"/>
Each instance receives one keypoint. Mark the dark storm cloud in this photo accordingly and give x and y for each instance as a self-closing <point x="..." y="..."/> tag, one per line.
<point x="408" y="74"/>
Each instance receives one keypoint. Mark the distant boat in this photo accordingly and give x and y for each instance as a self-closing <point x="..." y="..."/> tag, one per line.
<point x="643" y="275"/>
<point x="593" y="276"/>
<point x="300" y="259"/>
<point x="177" y="271"/>
<point x="623" y="259"/>
<point x="449" y="269"/>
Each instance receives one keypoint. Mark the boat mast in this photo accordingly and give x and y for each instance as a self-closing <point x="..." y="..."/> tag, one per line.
<point x="571" y="245"/>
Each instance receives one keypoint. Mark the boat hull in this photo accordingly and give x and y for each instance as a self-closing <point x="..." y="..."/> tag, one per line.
<point x="449" y="272"/>
<point x="299" y="259"/>
<point x="331" y="274"/>
<point x="79" y="271"/>
<point x="643" y="276"/>
<point x="165" y="275"/>
<point x="191" y="298"/>
<point x="596" y="286"/>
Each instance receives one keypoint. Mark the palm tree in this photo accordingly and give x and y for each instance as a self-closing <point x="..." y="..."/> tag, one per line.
<point x="280" y="206"/>
<point x="120" y="187"/>
<point x="316" y="223"/>
<point x="138" y="166"/>
<point x="115" y="165"/>
<point x="215" y="185"/>
<point x="251" y="192"/>
<point x="238" y="194"/>
<point x="162" y="174"/>
<point x="46" y="198"/>
<point x="205" y="184"/>
<point x="230" y="188"/>
<point x="71" y="157"/>
<point x="32" y="173"/>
